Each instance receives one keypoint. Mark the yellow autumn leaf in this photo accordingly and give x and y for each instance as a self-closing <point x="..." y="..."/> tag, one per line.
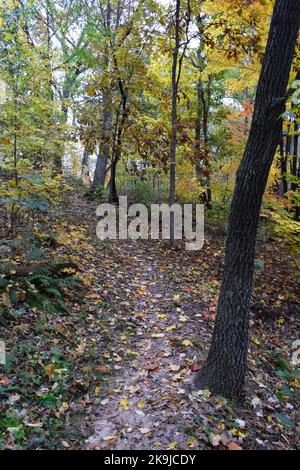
<point x="187" y="342"/>
<point x="63" y="239"/>
<point x="6" y="299"/>
<point x="191" y="442"/>
<point x="255" y="341"/>
<point x="162" y="316"/>
<point x="171" y="328"/>
<point x="172" y="445"/>
<point x="124" y="403"/>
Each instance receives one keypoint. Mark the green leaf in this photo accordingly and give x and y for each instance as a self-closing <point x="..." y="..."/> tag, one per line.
<point x="284" y="419"/>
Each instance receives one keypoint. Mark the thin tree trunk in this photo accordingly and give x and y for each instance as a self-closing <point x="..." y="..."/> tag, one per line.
<point x="225" y="368"/>
<point x="205" y="111"/>
<point x="203" y="105"/>
<point x="113" y="194"/>
<point x="85" y="164"/>
<point x="117" y="147"/>
<point x="296" y="164"/>
<point x="282" y="187"/>
<point x="295" y="153"/>
<point x="198" y="132"/>
<point x="173" y="143"/>
<point x="288" y="154"/>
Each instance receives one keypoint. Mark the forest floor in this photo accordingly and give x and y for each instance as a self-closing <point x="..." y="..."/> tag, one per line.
<point x="117" y="372"/>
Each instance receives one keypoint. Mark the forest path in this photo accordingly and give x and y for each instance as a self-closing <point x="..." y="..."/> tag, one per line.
<point x="149" y="403"/>
<point x="152" y="316"/>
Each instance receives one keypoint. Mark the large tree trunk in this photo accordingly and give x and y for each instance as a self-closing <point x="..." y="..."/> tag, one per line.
<point x="100" y="171"/>
<point x="225" y="368"/>
<point x="104" y="147"/>
<point x="85" y="170"/>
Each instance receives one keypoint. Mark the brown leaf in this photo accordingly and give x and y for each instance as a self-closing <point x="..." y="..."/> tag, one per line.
<point x="152" y="366"/>
<point x="234" y="446"/>
<point x="102" y="368"/>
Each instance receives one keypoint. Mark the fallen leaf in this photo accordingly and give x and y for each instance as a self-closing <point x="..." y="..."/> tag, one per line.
<point x="255" y="341"/>
<point x="187" y="342"/>
<point x="124" y="403"/>
<point x="255" y="402"/>
<point x="110" y="439"/>
<point x="144" y="430"/>
<point x="240" y="422"/>
<point x="234" y="446"/>
<point x="172" y="445"/>
<point x="102" y="368"/>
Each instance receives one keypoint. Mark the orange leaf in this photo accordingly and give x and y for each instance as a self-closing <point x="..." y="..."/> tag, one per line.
<point x="102" y="368"/>
<point x="4" y="380"/>
<point x="234" y="446"/>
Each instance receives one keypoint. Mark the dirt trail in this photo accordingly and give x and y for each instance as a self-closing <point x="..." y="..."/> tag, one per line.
<point x="156" y="328"/>
<point x="148" y="405"/>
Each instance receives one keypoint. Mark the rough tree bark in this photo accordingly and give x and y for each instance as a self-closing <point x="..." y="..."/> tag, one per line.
<point x="85" y="172"/>
<point x="225" y="368"/>
<point x="104" y="147"/>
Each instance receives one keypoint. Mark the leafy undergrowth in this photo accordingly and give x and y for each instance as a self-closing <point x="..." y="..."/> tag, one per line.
<point x="115" y="371"/>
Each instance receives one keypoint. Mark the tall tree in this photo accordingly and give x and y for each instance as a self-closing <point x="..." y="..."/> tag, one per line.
<point x="173" y="142"/>
<point x="178" y="56"/>
<point x="225" y="368"/>
<point x="104" y="147"/>
<point x="203" y="108"/>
